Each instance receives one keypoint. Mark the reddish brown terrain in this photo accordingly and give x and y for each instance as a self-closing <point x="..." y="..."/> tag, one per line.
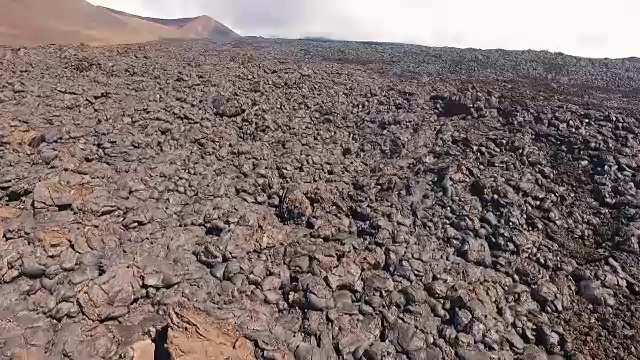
<point x="33" y="22"/>
<point x="278" y="199"/>
<point x="201" y="27"/>
<point x="307" y="200"/>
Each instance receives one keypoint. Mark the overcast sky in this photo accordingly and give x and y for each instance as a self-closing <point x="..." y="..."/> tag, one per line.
<point x="580" y="27"/>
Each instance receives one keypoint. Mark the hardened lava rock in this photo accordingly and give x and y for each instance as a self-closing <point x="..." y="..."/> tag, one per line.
<point x="301" y="200"/>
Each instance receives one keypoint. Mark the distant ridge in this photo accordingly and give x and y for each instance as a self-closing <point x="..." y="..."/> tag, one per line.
<point x="34" y="22"/>
<point x="319" y="38"/>
<point x="190" y="27"/>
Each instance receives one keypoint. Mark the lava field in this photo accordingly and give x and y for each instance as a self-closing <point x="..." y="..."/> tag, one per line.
<point x="308" y="200"/>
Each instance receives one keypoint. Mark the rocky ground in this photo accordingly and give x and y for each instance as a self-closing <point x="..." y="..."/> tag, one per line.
<point x="277" y="200"/>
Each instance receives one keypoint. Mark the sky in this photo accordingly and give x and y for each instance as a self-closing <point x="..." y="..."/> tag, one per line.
<point x="578" y="27"/>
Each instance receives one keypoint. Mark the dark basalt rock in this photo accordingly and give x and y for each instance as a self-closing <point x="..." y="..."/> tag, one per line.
<point x="283" y="199"/>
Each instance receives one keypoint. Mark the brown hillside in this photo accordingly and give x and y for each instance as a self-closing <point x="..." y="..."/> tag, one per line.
<point x="206" y="27"/>
<point x="32" y="22"/>
<point x="193" y="27"/>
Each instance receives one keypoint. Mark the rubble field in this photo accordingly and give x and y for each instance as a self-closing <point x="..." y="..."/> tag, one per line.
<point x="308" y="200"/>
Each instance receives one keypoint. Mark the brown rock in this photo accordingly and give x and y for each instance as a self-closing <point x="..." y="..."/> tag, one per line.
<point x="194" y="336"/>
<point x="532" y="352"/>
<point x="346" y="275"/>
<point x="352" y="332"/>
<point x="377" y="281"/>
<point x="369" y="260"/>
<point x="53" y="239"/>
<point x="6" y="213"/>
<point x="273" y="237"/>
<point x="31" y="354"/>
<point x="80" y="192"/>
<point x="144" y="350"/>
<point x="52" y="193"/>
<point x="9" y="212"/>
<point x="26" y="137"/>
<point x="109" y="296"/>
<point x="294" y="207"/>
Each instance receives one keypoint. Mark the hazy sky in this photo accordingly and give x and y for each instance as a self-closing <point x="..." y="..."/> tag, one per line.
<point x="581" y="27"/>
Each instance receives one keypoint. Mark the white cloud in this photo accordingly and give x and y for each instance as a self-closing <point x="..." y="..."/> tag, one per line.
<point x="579" y="27"/>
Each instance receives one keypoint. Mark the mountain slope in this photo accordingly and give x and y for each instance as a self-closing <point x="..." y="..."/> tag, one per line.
<point x="32" y="22"/>
<point x="206" y="27"/>
<point x="194" y="27"/>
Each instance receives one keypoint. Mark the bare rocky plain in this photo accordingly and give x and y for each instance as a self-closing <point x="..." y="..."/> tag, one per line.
<point x="281" y="199"/>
